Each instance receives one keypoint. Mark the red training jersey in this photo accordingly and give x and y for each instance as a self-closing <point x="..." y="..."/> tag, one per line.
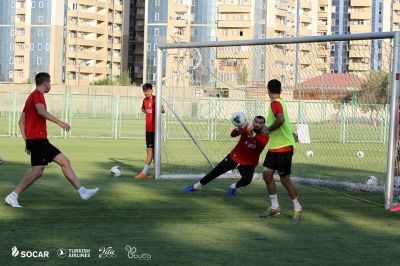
<point x="35" y="124"/>
<point x="149" y="105"/>
<point x="248" y="149"/>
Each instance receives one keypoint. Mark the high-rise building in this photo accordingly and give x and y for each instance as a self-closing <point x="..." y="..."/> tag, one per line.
<point x="136" y="16"/>
<point x="31" y="34"/>
<point x="76" y="41"/>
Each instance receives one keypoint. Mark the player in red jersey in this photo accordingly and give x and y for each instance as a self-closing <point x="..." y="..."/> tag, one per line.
<point x="148" y="107"/>
<point x="244" y="157"/>
<point x="34" y="131"/>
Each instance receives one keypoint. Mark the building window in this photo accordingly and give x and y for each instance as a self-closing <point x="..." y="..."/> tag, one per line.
<point x="155" y="47"/>
<point x="149" y="47"/>
<point x="47" y="46"/>
<point x="33" y="4"/>
<point x="11" y="61"/>
<point x="225" y="32"/>
<point x="32" y="46"/>
<point x="39" y="47"/>
<point x="12" y="32"/>
<point x="39" y="60"/>
<point x="156" y="31"/>
<point x="157" y="2"/>
<point x="11" y="47"/>
<point x="10" y="74"/>
<point x="40" y="18"/>
<point x="40" y="33"/>
<point x="240" y="33"/>
<point x="156" y="16"/>
<point x="12" y="4"/>
<point x="40" y="4"/>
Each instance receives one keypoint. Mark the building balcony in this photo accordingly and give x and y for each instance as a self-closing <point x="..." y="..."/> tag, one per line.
<point x="139" y="16"/>
<point x="360" y="28"/>
<point x="361" y="15"/>
<point x="86" y="42"/>
<point x="305" y="32"/>
<point x="359" y="67"/>
<point x="180" y="8"/>
<point x="396" y="19"/>
<point x="280" y="27"/>
<point x="322" y="28"/>
<point x="234" y="8"/>
<point x="355" y="3"/>
<point x="179" y="23"/>
<point x="322" y="15"/>
<point x="117" y="46"/>
<point x="22" y="38"/>
<point x="280" y="12"/>
<point x="20" y="10"/>
<point x="396" y="6"/>
<point x="306" y="19"/>
<point x="238" y="24"/>
<point x="306" y="4"/>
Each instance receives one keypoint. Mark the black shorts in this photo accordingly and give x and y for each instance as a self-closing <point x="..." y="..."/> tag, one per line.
<point x="280" y="161"/>
<point x="150" y="139"/>
<point x="42" y="151"/>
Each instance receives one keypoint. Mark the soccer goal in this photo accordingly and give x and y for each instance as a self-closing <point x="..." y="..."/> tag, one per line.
<point x="341" y="91"/>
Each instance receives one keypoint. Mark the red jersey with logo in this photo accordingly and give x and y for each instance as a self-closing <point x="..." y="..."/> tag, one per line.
<point x="248" y="149"/>
<point x="35" y="124"/>
<point x="276" y="109"/>
<point x="149" y="105"/>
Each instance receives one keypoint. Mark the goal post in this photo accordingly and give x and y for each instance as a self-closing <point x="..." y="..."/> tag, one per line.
<point x="343" y="89"/>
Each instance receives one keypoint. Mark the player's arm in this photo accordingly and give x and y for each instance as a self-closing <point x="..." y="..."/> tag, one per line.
<point x="277" y="110"/>
<point x="21" y="123"/>
<point x="43" y="113"/>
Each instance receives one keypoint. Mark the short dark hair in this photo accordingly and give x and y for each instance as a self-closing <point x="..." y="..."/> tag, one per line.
<point x="41" y="77"/>
<point x="259" y="117"/>
<point x="147" y="86"/>
<point x="274" y="86"/>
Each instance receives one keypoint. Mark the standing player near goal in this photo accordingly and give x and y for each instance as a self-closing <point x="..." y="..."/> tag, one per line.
<point x="280" y="152"/>
<point x="149" y="107"/>
<point x="244" y="157"/>
<point x="34" y="131"/>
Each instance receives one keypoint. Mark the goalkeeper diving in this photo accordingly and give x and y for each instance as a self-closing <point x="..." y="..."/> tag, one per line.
<point x="244" y="156"/>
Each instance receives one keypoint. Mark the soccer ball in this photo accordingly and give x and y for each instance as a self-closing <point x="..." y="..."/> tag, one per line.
<point x="309" y="153"/>
<point x="360" y="154"/>
<point x="238" y="119"/>
<point x="116" y="171"/>
<point x="372" y="181"/>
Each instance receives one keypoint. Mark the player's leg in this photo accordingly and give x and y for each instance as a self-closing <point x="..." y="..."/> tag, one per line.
<point x="27" y="180"/>
<point x="38" y="154"/>
<point x="284" y="170"/>
<point x="270" y="163"/>
<point x="69" y="173"/>
<point x="149" y="156"/>
<point x="247" y="173"/>
<point x="224" y="166"/>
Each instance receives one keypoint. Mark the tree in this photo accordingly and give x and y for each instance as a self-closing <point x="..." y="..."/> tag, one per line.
<point x="125" y="79"/>
<point x="242" y="75"/>
<point x="374" y="93"/>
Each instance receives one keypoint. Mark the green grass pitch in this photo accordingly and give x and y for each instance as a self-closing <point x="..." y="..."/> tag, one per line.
<point x="176" y="228"/>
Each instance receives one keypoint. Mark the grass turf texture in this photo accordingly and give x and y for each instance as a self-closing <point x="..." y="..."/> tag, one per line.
<point x="176" y="228"/>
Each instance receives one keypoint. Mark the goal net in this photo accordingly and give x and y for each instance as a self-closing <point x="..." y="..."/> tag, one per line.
<point x="338" y="91"/>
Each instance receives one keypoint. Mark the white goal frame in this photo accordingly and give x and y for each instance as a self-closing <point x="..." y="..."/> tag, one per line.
<point x="394" y="100"/>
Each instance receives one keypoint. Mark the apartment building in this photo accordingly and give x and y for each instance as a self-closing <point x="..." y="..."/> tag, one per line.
<point x="76" y="41"/>
<point x="184" y="21"/>
<point x="136" y="16"/>
<point x="31" y="34"/>
<point x="93" y="40"/>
